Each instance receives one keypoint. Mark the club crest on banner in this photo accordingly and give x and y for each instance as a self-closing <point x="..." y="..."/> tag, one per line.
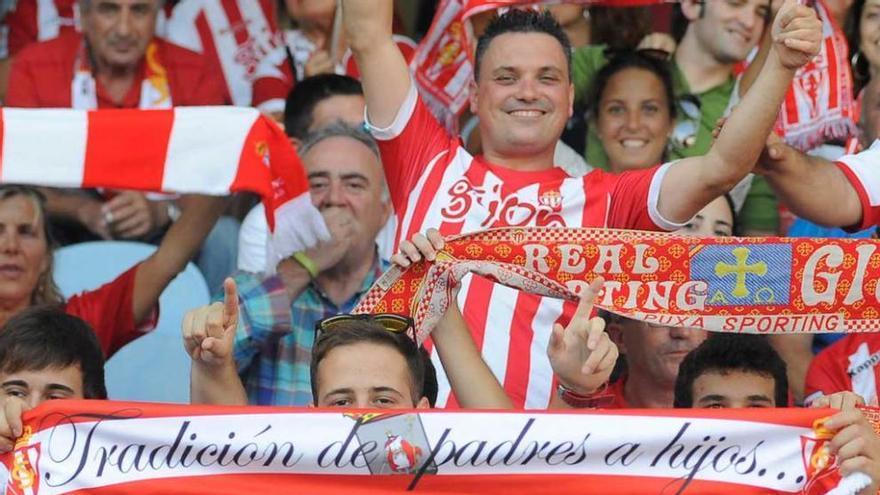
<point x="24" y="478"/>
<point x="819" y="463"/>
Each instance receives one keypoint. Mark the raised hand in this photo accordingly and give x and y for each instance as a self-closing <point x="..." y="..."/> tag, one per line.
<point x="856" y="445"/>
<point x="797" y="34"/>
<point x="10" y="422"/>
<point x="421" y="246"/>
<point x="581" y="354"/>
<point x="327" y="254"/>
<point x="209" y="331"/>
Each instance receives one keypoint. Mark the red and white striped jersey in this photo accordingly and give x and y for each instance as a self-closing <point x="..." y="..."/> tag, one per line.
<point x="243" y="37"/>
<point x="435" y="182"/>
<point x="850" y="364"/>
<point x="37" y="20"/>
<point x="863" y="171"/>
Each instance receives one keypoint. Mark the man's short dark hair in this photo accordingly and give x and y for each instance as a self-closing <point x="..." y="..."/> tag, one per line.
<point x="423" y="377"/>
<point x="43" y="337"/>
<point x="305" y="96"/>
<point x="522" y="21"/>
<point x="725" y="353"/>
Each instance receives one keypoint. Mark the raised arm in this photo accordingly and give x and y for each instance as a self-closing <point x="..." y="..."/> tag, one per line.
<point x="384" y="71"/>
<point x="209" y="337"/>
<point x="179" y="245"/>
<point x="809" y="186"/>
<point x="471" y="379"/>
<point x="582" y="354"/>
<point x="691" y="183"/>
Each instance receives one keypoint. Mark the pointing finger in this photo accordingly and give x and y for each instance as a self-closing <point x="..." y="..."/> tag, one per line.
<point x="230" y="301"/>
<point x="588" y="299"/>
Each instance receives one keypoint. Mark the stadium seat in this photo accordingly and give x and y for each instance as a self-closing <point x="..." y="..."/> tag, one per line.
<point x="155" y="367"/>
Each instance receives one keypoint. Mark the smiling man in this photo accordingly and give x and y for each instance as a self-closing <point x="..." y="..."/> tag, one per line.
<point x="522" y="93"/>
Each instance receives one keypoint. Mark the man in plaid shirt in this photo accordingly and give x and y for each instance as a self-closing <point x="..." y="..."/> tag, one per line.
<point x="276" y="331"/>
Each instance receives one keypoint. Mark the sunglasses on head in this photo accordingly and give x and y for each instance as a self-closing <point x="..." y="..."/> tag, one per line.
<point x="389" y="321"/>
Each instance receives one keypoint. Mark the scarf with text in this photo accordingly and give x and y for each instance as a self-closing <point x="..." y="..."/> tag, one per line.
<point x="102" y="447"/>
<point x="726" y="284"/>
<point x="201" y="150"/>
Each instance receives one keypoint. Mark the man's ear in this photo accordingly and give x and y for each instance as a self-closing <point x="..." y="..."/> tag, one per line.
<point x="423" y="403"/>
<point x="387" y="210"/>
<point x="691" y="9"/>
<point x="472" y="96"/>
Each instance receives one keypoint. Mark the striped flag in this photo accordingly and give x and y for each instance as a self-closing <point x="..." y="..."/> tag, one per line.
<point x="203" y="150"/>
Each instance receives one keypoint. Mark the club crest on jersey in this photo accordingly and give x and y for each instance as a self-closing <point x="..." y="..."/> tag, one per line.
<point x="552" y="199"/>
<point x="493" y="208"/>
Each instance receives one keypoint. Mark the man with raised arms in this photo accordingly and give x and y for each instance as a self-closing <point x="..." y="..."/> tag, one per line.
<point x="523" y="94"/>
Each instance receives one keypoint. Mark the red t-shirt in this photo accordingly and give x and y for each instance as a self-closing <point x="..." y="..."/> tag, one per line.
<point x="435" y="182"/>
<point x="850" y="364"/>
<point x="108" y="310"/>
<point x="42" y="73"/>
<point x="613" y="397"/>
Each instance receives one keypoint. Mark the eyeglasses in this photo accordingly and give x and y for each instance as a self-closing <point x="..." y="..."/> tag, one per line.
<point x="389" y="321"/>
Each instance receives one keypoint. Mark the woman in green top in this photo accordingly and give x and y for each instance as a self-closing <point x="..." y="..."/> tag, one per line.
<point x="633" y="108"/>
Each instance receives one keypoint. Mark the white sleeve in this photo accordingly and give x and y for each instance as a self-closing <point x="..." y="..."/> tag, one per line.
<point x="404" y="114"/>
<point x="253" y="239"/>
<point x="654" y="200"/>
<point x="865" y="165"/>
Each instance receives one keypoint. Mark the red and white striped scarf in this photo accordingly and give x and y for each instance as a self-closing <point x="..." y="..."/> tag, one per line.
<point x="203" y="150"/>
<point x="101" y="447"/>
<point x="819" y="105"/>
